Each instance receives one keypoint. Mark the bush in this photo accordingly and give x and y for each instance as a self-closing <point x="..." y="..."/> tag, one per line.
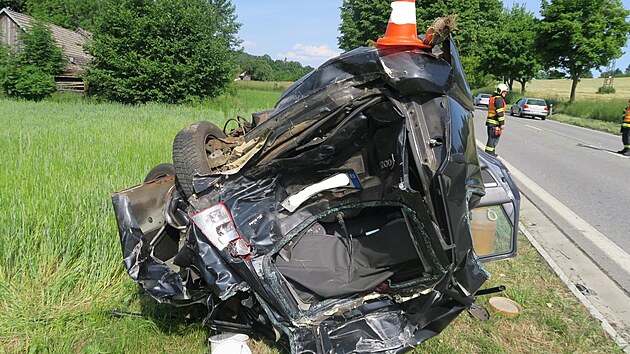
<point x="29" y="71"/>
<point x="606" y="89"/>
<point x="163" y="51"/>
<point x="28" y="82"/>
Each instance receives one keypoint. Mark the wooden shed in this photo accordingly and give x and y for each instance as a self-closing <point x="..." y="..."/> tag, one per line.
<point x="13" y="23"/>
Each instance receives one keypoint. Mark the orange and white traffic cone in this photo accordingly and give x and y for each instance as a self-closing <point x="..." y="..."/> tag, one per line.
<point x="401" y="29"/>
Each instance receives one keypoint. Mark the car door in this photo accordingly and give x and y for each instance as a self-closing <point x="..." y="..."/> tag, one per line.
<point x="494" y="220"/>
<point x="517" y="107"/>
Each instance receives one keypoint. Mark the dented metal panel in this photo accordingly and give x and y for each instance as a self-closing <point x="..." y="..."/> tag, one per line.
<point x="344" y="222"/>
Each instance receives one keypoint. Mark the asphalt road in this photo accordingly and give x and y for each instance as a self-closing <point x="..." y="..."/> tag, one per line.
<point x="579" y="168"/>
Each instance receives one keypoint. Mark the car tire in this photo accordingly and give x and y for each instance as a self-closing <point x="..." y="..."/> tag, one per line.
<point x="190" y="153"/>
<point x="161" y="170"/>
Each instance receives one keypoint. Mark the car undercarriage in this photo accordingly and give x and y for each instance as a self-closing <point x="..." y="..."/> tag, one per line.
<point x="342" y="221"/>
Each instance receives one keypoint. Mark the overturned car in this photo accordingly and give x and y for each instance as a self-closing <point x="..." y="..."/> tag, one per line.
<point x="353" y="217"/>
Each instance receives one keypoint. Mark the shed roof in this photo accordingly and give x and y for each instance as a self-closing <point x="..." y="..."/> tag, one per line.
<point x="70" y="41"/>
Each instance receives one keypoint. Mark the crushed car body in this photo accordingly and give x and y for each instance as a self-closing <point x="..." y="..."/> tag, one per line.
<point x="342" y="221"/>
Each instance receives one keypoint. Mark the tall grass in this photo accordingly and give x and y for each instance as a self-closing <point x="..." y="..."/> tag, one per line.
<point x="59" y="162"/>
<point x="263" y="85"/>
<point x="605" y="110"/>
<point x="61" y="269"/>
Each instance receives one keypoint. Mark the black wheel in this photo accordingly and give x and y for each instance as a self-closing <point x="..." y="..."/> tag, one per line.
<point x="543" y="118"/>
<point x="192" y="148"/>
<point x="161" y="170"/>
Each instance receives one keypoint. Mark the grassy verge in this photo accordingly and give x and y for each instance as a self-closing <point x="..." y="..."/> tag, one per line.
<point x="552" y="320"/>
<point x="61" y="271"/>
<point x="263" y="85"/>
<point x="594" y="124"/>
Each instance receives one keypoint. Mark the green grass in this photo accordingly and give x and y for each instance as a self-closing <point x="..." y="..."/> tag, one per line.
<point x="552" y="320"/>
<point x="263" y="85"/>
<point x="60" y="262"/>
<point x="61" y="270"/>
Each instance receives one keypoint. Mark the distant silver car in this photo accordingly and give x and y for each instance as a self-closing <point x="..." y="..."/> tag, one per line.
<point x="482" y="99"/>
<point x="534" y="107"/>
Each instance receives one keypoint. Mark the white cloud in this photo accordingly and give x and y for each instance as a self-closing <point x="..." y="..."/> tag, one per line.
<point x="310" y="54"/>
<point x="248" y="44"/>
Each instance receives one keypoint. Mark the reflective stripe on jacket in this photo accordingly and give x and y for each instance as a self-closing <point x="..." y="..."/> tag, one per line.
<point x="496" y="111"/>
<point x="626" y="118"/>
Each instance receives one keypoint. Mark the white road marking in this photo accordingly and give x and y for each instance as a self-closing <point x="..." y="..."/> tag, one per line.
<point x="616" y="254"/>
<point x="607" y="151"/>
<point x="532" y="127"/>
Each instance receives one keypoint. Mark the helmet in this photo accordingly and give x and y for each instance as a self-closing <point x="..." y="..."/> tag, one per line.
<point x="502" y="88"/>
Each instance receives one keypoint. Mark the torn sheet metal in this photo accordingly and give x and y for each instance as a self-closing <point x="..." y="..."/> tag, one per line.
<point x="344" y="223"/>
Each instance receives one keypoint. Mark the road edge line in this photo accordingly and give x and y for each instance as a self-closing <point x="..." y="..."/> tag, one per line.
<point x="604" y="244"/>
<point x="599" y="240"/>
<point x="606" y="326"/>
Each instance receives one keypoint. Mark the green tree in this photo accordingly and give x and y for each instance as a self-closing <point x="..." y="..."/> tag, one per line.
<point x="15" y="5"/>
<point x="287" y="70"/>
<point x="364" y="21"/>
<point x="29" y="71"/>
<point x="551" y="74"/>
<point x="38" y="48"/>
<point x="577" y="36"/>
<point x="264" y="68"/>
<point x="65" y="13"/>
<point x="511" y="54"/>
<point x="163" y="50"/>
<point x="257" y="67"/>
<point x="607" y="73"/>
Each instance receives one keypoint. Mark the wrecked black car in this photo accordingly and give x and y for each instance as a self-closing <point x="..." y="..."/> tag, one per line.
<point x="353" y="217"/>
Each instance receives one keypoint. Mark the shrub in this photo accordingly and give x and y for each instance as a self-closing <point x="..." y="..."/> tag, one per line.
<point x="29" y="71"/>
<point x="163" y="51"/>
<point x="606" y="89"/>
<point x="29" y="82"/>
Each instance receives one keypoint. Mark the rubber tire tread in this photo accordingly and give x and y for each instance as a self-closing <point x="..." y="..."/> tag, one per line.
<point x="189" y="153"/>
<point x="161" y="170"/>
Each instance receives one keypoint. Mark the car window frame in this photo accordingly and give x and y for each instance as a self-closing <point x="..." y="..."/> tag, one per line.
<point x="537" y="100"/>
<point x="501" y="192"/>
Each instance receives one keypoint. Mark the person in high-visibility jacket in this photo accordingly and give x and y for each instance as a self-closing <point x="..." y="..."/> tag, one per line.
<point x="495" y="122"/>
<point x="625" y="131"/>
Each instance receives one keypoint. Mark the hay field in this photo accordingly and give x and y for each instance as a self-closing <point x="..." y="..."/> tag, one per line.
<point x="560" y="89"/>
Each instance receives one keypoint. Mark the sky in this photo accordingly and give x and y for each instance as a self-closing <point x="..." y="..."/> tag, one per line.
<point x="307" y="31"/>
